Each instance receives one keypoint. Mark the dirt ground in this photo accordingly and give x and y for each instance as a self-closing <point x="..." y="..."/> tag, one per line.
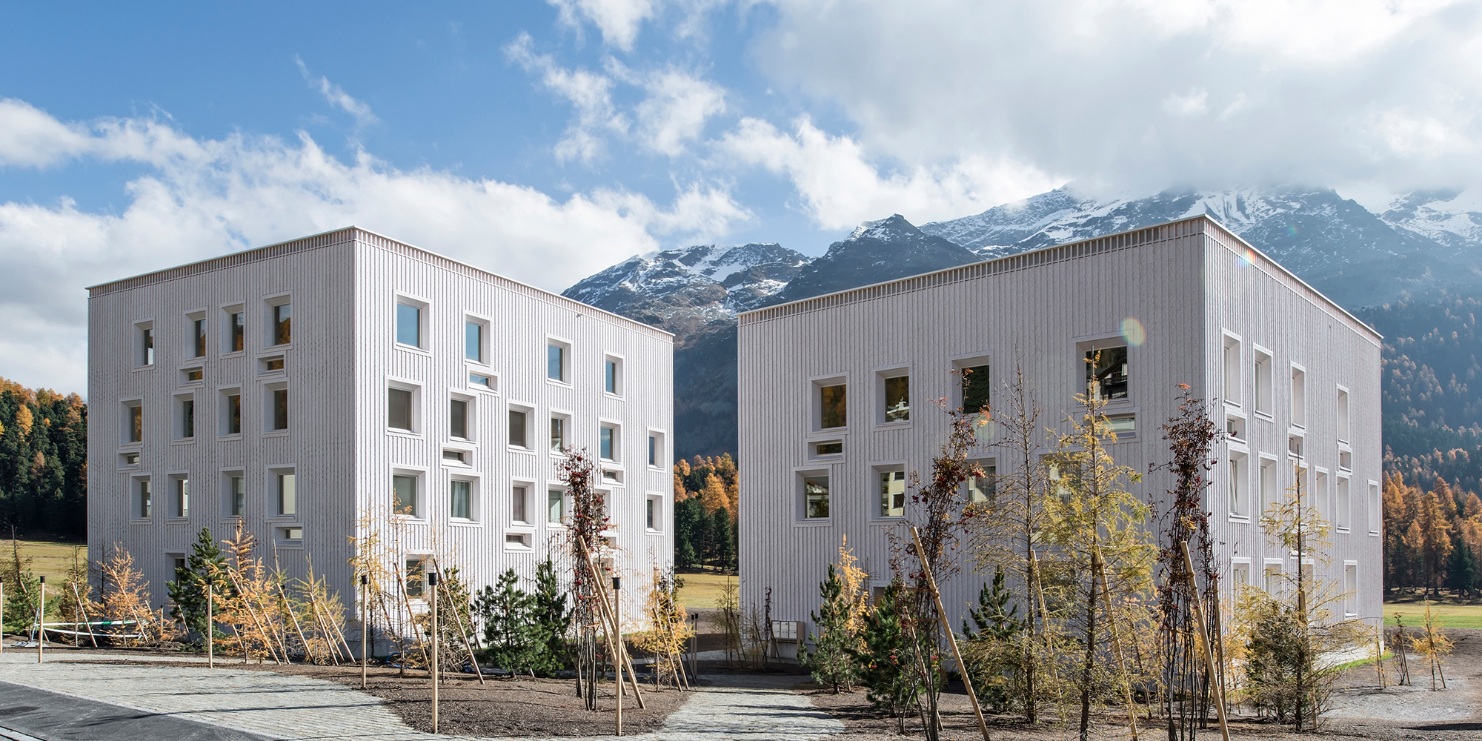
<point x="1359" y="709"/>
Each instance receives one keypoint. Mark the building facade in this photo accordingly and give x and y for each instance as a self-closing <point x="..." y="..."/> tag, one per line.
<point x="838" y="401"/>
<point x="344" y="383"/>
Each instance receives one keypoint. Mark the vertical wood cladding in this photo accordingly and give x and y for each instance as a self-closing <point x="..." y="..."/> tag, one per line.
<point x="1177" y="286"/>
<point x="344" y="287"/>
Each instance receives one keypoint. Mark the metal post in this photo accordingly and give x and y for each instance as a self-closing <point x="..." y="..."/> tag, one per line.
<point x="41" y="620"/>
<point x="432" y="582"/>
<point x="364" y="627"/>
<point x="2" y="623"/>
<point x="695" y="646"/>
<point x="617" y="642"/>
<point x="210" y="626"/>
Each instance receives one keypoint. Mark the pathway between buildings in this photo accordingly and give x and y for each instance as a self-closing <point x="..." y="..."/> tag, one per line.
<point x="265" y="704"/>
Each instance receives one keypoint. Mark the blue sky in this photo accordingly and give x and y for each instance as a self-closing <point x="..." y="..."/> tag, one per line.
<point x="547" y="140"/>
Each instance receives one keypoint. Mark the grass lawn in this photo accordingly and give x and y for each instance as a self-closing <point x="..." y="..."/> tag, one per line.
<point x="48" y="558"/>
<point x="702" y="589"/>
<point x="1447" y="614"/>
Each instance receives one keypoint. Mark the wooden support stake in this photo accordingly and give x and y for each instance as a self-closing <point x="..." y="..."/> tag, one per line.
<point x="41" y="621"/>
<point x="617" y="642"/>
<point x="472" y="657"/>
<point x="267" y="639"/>
<point x="432" y="577"/>
<point x="1209" y="665"/>
<point x="80" y="607"/>
<point x="967" y="681"/>
<point x="1099" y="566"/>
<point x="308" y="652"/>
<point x="210" y="625"/>
<point x="364" y="628"/>
<point x="622" y="654"/>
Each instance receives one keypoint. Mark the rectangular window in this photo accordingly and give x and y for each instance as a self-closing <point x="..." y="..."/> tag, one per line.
<point x="133" y="431"/>
<point x="192" y="376"/>
<point x="831" y="406"/>
<point x="236" y="495"/>
<point x="1232" y="375"/>
<point x="282" y="323"/>
<point x="1270" y="494"/>
<point x="187" y="419"/>
<point x="197" y="336"/>
<point x="1350" y="590"/>
<point x="827" y="449"/>
<point x="557" y="362"/>
<point x="1107" y="372"/>
<point x="461" y="495"/>
<point x="277" y="411"/>
<point x="272" y="364"/>
<point x="1236" y="484"/>
<point x="458" y="419"/>
<point x="1318" y="497"/>
<point x="404" y="495"/>
<point x="1343" y="507"/>
<point x="482" y="381"/>
<point x="415" y="577"/>
<point x="232" y="412"/>
<point x="892" y="492"/>
<point x="1124" y="426"/>
<point x="519" y="427"/>
<point x="519" y="504"/>
<point x="290" y="535"/>
<point x="408" y="324"/>
<point x="655" y="449"/>
<point x="555" y="506"/>
<point x="517" y="541"/>
<point x="1299" y="397"/>
<point x="558" y="434"/>
<point x="1343" y="428"/>
<point x="1376" y="508"/>
<point x="653" y="507"/>
<point x="607" y="442"/>
<point x="455" y="456"/>
<point x="815" y="497"/>
<point x="143" y="497"/>
<point x="983" y="488"/>
<point x="1264" y="382"/>
<point x="1239" y="575"/>
<point x="236" y="327"/>
<point x="474" y="332"/>
<point x="285" y="494"/>
<point x="975" y="388"/>
<point x="896" y="396"/>
<point x="182" y="496"/>
<point x="399" y="409"/>
<point x="1274" y="582"/>
<point x="144" y="344"/>
<point x="612" y="376"/>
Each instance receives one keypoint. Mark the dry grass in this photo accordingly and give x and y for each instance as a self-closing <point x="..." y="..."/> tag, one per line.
<point x="1447" y="614"/>
<point x="48" y="558"/>
<point x="702" y="589"/>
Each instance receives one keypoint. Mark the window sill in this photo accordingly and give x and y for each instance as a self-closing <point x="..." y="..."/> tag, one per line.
<point x="231" y="354"/>
<point x="141" y="520"/>
<point x="1343" y="530"/>
<point x="612" y="396"/>
<point x="461" y="522"/>
<point x="1240" y="518"/>
<point x="183" y="441"/>
<point x="275" y="433"/>
<point x="1266" y="416"/>
<point x="291" y="544"/>
<point x="828" y="431"/>
<point x="555" y="382"/>
<point x="517" y="449"/>
<point x="523" y="527"/>
<point x="651" y="531"/>
<point x="393" y="432"/>
<point x="1343" y="443"/>
<point x="229" y="436"/>
<point x="555" y="526"/>
<point x="413" y="350"/>
<point x="814" y="522"/>
<point x="177" y="519"/>
<point x="144" y="367"/>
<point x="288" y="518"/>
<point x="886" y="521"/>
<point x="898" y="425"/>
<point x="131" y="447"/>
<point x="410" y="519"/>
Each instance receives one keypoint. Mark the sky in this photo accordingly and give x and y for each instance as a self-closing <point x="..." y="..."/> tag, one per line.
<point x="548" y="140"/>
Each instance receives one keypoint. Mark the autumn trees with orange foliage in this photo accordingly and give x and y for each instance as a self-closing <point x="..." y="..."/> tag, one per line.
<point x="705" y="500"/>
<point x="1432" y="539"/>
<point x="43" y="460"/>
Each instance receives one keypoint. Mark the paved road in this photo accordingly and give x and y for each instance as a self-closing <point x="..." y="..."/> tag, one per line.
<point x="261" y="704"/>
<point x="48" y="715"/>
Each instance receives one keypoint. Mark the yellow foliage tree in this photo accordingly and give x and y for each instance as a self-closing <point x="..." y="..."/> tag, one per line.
<point x="666" y="639"/>
<point x="125" y="597"/>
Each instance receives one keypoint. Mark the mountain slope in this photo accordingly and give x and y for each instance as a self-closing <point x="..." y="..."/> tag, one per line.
<point x="1452" y="218"/>
<point x="876" y="251"/>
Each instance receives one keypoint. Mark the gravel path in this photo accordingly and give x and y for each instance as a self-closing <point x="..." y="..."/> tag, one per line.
<point x="297" y="707"/>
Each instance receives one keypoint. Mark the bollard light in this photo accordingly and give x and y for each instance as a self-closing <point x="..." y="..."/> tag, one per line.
<point x="432" y="578"/>
<point x="617" y="583"/>
<point x="364" y="580"/>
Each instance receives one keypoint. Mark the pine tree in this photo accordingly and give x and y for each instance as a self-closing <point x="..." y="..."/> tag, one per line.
<point x="22" y="589"/>
<point x="723" y="535"/>
<point x="992" y="649"/>
<point x="883" y="657"/>
<point x="550" y="619"/>
<point x="831" y="661"/>
<point x="205" y="565"/>
<point x="509" y="633"/>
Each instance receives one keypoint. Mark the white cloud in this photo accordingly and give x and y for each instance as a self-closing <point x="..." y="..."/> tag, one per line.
<point x="337" y="97"/>
<point x="840" y="187"/>
<point x="1192" y="103"/>
<point x="618" y="20"/>
<point x="199" y="198"/>
<point x="676" y="109"/>
<point x="589" y="93"/>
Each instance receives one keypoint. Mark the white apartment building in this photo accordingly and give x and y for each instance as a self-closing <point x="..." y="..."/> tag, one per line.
<point x="309" y="389"/>
<point x="838" y="400"/>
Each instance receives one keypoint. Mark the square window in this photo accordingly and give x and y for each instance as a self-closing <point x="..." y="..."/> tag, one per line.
<point x="1264" y="382"/>
<point x="280" y="321"/>
<point x="400" y="408"/>
<point x="983" y="489"/>
<point x="133" y="422"/>
<point x="608" y="442"/>
<point x="519" y="504"/>
<point x="475" y="340"/>
<point x="815" y="496"/>
<point x="1107" y="372"/>
<point x="458" y="422"/>
<point x="558" y="361"/>
<point x="234" y="330"/>
<point x="558" y="433"/>
<point x="285" y="492"/>
<point x="144" y="344"/>
<point x="895" y="394"/>
<point x="612" y="375"/>
<point x="409" y="323"/>
<point x="197" y="338"/>
<point x="519" y="427"/>
<point x="180" y="504"/>
<point x="555" y="506"/>
<point x="276" y="412"/>
<point x="143" y="499"/>
<point x="831" y="404"/>
<point x="892" y="488"/>
<point x="231" y="412"/>
<point x="460" y="494"/>
<point x="404" y="499"/>
<point x="234" y="491"/>
<point x="974" y="385"/>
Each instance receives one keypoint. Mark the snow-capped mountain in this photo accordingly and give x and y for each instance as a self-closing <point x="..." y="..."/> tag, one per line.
<point x="684" y="289"/>
<point x="876" y="251"/>
<point x="1452" y="218"/>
